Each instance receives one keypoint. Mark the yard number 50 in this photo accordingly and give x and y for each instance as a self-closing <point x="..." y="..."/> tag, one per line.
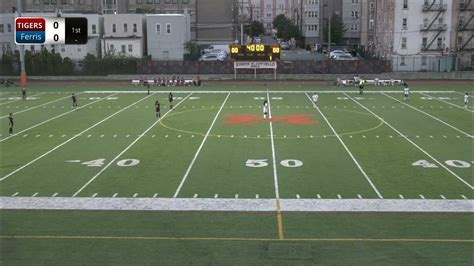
<point x="258" y="163"/>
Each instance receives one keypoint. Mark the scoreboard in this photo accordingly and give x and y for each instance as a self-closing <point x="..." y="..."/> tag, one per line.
<point x="53" y="30"/>
<point x="255" y="52"/>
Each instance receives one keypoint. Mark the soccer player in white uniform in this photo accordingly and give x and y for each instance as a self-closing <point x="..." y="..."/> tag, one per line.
<point x="406" y="93"/>
<point x="466" y="100"/>
<point x="315" y="98"/>
<point x="265" y="109"/>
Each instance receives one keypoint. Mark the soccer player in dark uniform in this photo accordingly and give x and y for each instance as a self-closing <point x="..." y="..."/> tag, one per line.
<point x="170" y="99"/>
<point x="74" y="100"/>
<point x="10" y="118"/>
<point x="148" y="87"/>
<point x="158" y="108"/>
<point x="23" y="94"/>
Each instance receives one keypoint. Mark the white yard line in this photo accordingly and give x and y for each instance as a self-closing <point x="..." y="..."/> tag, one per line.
<point x="275" y="173"/>
<point x="34" y="95"/>
<point x="265" y="91"/>
<point x="470" y="95"/>
<point x="237" y="205"/>
<point x="452" y="104"/>
<point x="347" y="150"/>
<point x="127" y="148"/>
<point x="413" y="143"/>
<point x="38" y="106"/>
<point x="71" y="139"/>
<point x="186" y="174"/>
<point x="52" y="118"/>
<point x="434" y="117"/>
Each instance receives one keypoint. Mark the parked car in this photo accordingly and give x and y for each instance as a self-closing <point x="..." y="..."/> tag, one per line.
<point x="337" y="52"/>
<point x="221" y="47"/>
<point x="344" y="56"/>
<point x="219" y="52"/>
<point x="284" y="45"/>
<point x="212" y="57"/>
<point x="257" y="40"/>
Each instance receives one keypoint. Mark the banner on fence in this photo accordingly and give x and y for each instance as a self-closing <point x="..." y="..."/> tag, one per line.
<point x="255" y="65"/>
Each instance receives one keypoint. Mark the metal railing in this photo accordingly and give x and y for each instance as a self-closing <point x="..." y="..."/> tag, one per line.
<point x="434" y="27"/>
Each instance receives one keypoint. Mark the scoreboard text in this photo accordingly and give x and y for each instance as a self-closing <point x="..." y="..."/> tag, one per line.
<point x="255" y="52"/>
<point x="54" y="30"/>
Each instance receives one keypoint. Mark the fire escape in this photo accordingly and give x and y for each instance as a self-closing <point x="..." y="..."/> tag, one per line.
<point x="466" y="8"/>
<point x="434" y="26"/>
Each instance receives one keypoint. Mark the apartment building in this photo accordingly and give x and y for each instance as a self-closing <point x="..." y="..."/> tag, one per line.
<point x="367" y="26"/>
<point x="265" y="11"/>
<point x="216" y="21"/>
<point x="166" y="35"/>
<point x="123" y="35"/>
<point x="351" y="17"/>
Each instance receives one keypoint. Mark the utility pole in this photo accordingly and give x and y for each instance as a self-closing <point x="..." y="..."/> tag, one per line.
<point x="23" y="78"/>
<point x="329" y="30"/>
<point x="242" y="23"/>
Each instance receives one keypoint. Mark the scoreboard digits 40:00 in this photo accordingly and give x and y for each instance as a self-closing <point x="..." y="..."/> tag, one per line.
<point x="54" y="30"/>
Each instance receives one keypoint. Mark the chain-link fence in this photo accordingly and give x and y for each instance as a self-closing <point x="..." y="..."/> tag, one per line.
<point x="432" y="63"/>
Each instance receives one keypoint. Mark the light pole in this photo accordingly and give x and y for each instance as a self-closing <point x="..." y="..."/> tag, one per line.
<point x="23" y="78"/>
<point x="329" y="31"/>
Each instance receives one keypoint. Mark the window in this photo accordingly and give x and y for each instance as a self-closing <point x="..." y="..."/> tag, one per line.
<point x="423" y="60"/>
<point x="425" y="23"/>
<point x="402" y="61"/>
<point x="130" y="48"/>
<point x="64" y="2"/>
<point x="114" y="28"/>
<point x="168" y="28"/>
<point x="125" y="27"/>
<point x="185" y="2"/>
<point x="424" y="42"/>
<point x="405" y="4"/>
<point x="112" y="47"/>
<point x="94" y="29"/>
<point x="139" y="2"/>
<point x="2" y="30"/>
<point x="405" y="24"/>
<point x="36" y="2"/>
<point x="135" y="28"/>
<point x="404" y="43"/>
<point x="63" y="48"/>
<point x="157" y="1"/>
<point x="149" y="1"/>
<point x="355" y="14"/>
<point x="167" y="1"/>
<point x="440" y="43"/>
<point x="269" y="15"/>
<point x="9" y="27"/>
<point x="355" y="1"/>
<point x="123" y="49"/>
<point x="460" y="41"/>
<point x="158" y="29"/>
<point x="175" y="1"/>
<point x="269" y="5"/>
<point x="54" y="2"/>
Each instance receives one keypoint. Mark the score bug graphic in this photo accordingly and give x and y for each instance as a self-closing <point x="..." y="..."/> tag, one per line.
<point x="57" y="30"/>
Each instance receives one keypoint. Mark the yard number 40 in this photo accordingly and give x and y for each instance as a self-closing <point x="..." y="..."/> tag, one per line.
<point x="257" y="163"/>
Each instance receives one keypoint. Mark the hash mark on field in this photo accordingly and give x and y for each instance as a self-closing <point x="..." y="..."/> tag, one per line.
<point x="26" y="135"/>
<point x="153" y="136"/>
<point x="421" y="196"/>
<point x="114" y="195"/>
<point x="298" y="196"/>
<point x="458" y="137"/>
<point x="339" y="196"/>
<point x="216" y="196"/>
<point x="236" y="196"/>
<point x="89" y="136"/>
<point x="359" y="196"/>
<point x="401" y="196"/>
<point x="195" y="196"/>
<point x="319" y="196"/>
<point x="55" y="194"/>
<point x="50" y="136"/>
<point x="101" y="136"/>
<point x="464" y="197"/>
<point x="155" y="195"/>
<point x="34" y="195"/>
<point x="166" y="136"/>
<point x="94" y="195"/>
<point x="14" y="194"/>
<point x="128" y="136"/>
<point x="135" y="195"/>
<point x="257" y="196"/>
<point x="442" y="196"/>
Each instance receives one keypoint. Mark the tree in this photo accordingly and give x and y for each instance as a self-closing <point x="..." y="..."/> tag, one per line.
<point x="286" y="28"/>
<point x="338" y="29"/>
<point x="192" y="50"/>
<point x="255" y="28"/>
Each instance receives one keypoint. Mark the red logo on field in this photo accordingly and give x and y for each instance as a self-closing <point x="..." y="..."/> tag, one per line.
<point x="293" y="120"/>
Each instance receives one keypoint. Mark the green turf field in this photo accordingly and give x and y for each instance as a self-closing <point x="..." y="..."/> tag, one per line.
<point x="272" y="190"/>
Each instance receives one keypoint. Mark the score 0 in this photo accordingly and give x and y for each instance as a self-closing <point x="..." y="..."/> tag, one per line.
<point x="55" y="30"/>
